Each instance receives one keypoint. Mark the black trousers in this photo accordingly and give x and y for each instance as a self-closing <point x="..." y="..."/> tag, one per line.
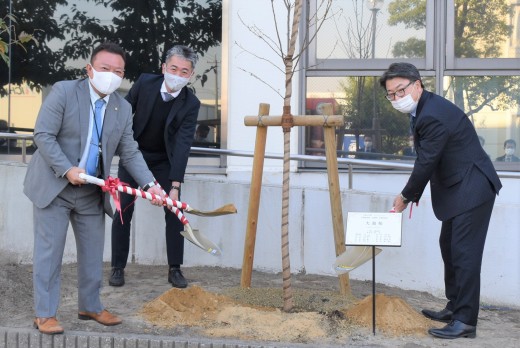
<point x="462" y="242"/>
<point x="121" y="232"/>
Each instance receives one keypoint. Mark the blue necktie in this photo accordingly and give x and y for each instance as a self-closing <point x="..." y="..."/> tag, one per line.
<point x="95" y="147"/>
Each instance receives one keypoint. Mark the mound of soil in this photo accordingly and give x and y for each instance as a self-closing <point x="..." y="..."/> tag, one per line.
<point x="394" y="316"/>
<point x="254" y="314"/>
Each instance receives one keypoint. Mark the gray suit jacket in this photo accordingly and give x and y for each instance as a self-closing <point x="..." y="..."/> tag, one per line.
<point x="61" y="132"/>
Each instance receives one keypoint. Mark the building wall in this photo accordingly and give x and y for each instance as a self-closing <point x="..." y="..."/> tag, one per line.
<point x="415" y="265"/>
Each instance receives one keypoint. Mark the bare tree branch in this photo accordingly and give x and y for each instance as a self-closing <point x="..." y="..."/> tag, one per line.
<point x="259" y="57"/>
<point x="278" y="47"/>
<point x="261" y="80"/>
<point x="267" y="40"/>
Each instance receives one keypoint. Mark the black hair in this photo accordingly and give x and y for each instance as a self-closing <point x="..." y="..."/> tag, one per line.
<point x="404" y="70"/>
<point x="110" y="47"/>
<point x="509" y="141"/>
<point x="203" y="127"/>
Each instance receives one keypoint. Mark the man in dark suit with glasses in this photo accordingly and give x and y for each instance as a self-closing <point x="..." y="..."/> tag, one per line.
<point x="463" y="185"/>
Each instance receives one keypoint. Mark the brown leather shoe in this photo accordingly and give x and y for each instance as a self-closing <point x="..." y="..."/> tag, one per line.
<point x="48" y="326"/>
<point x="105" y="317"/>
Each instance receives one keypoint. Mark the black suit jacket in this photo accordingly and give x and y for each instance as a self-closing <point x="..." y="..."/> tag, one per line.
<point x="371" y="154"/>
<point x="180" y="124"/>
<point x="450" y="157"/>
<point x="503" y="159"/>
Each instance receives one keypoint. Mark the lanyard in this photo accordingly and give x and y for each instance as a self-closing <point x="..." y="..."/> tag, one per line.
<point x="96" y="125"/>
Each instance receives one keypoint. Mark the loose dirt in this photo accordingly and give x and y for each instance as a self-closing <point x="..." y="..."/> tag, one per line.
<point x="254" y="314"/>
<point x="215" y="306"/>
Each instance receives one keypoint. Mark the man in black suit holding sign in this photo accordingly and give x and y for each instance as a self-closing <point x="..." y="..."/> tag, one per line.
<point x="463" y="185"/>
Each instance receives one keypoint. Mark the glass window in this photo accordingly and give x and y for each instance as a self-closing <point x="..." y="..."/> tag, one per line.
<point x="483" y="34"/>
<point x="492" y="104"/>
<point x="369" y="118"/>
<point x="472" y="57"/>
<point x="66" y="33"/>
<point x="484" y="29"/>
<point x="25" y="102"/>
<point x="371" y="29"/>
<point x="207" y="88"/>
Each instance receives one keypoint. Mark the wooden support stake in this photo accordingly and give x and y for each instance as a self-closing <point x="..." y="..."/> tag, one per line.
<point x="262" y="121"/>
<point x="335" y="197"/>
<point x="254" y="200"/>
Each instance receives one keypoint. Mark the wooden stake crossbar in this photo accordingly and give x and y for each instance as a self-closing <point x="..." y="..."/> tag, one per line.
<point x="314" y="120"/>
<point x="262" y="121"/>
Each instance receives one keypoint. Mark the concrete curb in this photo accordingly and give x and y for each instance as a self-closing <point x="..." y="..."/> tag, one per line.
<point x="28" y="338"/>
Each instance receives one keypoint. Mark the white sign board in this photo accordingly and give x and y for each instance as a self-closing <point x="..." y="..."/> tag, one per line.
<point x="382" y="229"/>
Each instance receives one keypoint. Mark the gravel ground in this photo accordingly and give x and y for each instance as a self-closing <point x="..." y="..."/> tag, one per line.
<point x="498" y="326"/>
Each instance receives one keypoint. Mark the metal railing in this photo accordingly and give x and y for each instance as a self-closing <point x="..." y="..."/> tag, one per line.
<point x="23" y="137"/>
<point x="349" y="162"/>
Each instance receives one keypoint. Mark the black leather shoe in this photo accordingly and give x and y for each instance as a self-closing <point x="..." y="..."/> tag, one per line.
<point x="176" y="278"/>
<point x="118" y="277"/>
<point x="455" y="329"/>
<point x="444" y="315"/>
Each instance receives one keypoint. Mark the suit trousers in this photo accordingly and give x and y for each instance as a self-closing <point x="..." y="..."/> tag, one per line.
<point x="121" y="232"/>
<point x="462" y="242"/>
<point x="83" y="207"/>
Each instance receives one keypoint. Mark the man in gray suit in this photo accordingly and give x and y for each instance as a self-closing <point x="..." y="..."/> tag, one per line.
<point x="74" y="136"/>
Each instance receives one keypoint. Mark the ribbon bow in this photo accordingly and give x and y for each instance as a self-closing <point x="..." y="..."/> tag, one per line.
<point x="110" y="186"/>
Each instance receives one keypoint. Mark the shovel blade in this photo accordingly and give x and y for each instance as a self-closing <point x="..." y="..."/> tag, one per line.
<point x="353" y="257"/>
<point x="198" y="239"/>
<point x="224" y="210"/>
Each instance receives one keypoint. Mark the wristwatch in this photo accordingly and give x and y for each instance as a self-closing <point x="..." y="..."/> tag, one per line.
<point x="147" y="186"/>
<point x="178" y="188"/>
<point x="405" y="200"/>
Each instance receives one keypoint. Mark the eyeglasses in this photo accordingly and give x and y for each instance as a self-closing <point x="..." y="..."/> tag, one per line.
<point x="399" y="93"/>
<point x="173" y="69"/>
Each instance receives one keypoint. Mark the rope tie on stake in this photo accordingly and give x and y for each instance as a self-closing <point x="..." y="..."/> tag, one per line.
<point x="287" y="119"/>
<point x="326" y="121"/>
<point x="260" y="122"/>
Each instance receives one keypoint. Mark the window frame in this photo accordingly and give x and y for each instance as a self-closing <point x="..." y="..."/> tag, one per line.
<point x="454" y="64"/>
<point x="439" y="62"/>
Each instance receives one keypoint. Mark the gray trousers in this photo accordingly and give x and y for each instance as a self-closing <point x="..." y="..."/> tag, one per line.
<point x="83" y="207"/>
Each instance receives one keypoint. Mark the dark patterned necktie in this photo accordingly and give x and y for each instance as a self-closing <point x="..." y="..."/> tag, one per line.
<point x="167" y="96"/>
<point x="412" y="124"/>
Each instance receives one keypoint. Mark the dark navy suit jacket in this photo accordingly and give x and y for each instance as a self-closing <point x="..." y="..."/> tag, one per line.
<point x="180" y="124"/>
<point x="450" y="157"/>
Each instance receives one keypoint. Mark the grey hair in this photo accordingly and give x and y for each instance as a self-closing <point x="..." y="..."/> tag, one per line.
<point x="183" y="52"/>
<point x="403" y="70"/>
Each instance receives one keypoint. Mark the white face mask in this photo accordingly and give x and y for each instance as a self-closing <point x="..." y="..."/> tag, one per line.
<point x="405" y="105"/>
<point x="105" y="82"/>
<point x="510" y="151"/>
<point x="175" y="82"/>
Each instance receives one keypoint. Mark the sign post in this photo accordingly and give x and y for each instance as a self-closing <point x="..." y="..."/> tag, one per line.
<point x="371" y="230"/>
